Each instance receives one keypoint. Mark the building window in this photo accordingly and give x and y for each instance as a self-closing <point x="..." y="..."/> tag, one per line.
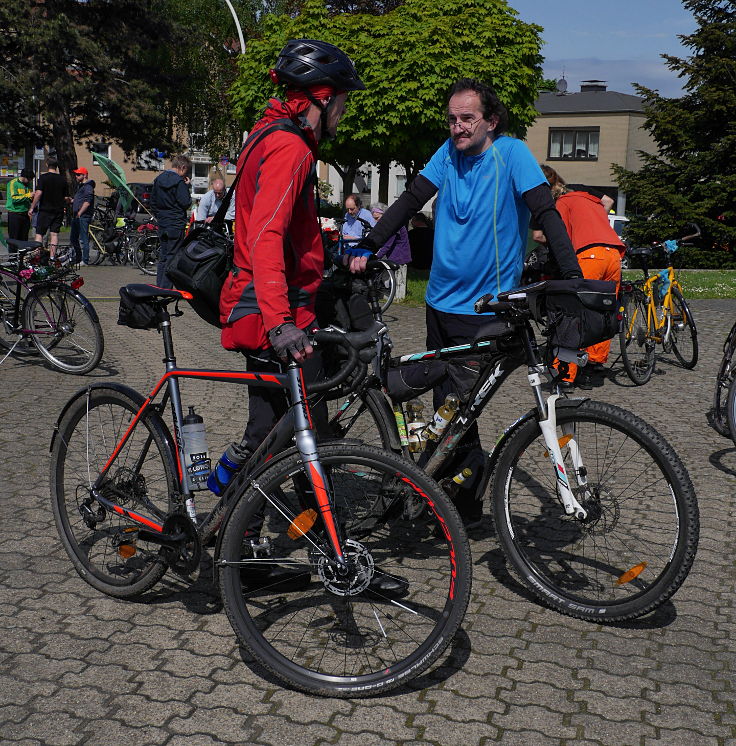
<point x="573" y="144"/>
<point x="103" y="148"/>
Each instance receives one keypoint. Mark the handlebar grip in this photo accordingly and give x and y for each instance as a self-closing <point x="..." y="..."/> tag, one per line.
<point x="381" y="264"/>
<point x="480" y="306"/>
<point x="333" y="337"/>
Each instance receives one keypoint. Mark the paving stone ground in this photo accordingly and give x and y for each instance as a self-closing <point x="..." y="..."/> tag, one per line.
<point x="77" y="667"/>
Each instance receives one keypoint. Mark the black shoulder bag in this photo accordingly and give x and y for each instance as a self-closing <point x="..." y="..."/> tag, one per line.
<point x="205" y="257"/>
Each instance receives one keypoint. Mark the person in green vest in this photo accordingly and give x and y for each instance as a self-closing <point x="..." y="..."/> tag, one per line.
<point x="19" y="197"/>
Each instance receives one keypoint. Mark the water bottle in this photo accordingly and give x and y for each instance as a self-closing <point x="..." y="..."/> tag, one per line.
<point x="225" y="469"/>
<point x="443" y="416"/>
<point x="415" y="427"/>
<point x="197" y="463"/>
<point x="451" y="486"/>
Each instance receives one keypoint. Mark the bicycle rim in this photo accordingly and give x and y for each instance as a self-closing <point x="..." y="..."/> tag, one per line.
<point x="684" y="335"/>
<point x="106" y="548"/>
<point x="386" y="288"/>
<point x="636" y="545"/>
<point x="352" y="635"/>
<point x="146" y="255"/>
<point x="637" y="344"/>
<point x="63" y="328"/>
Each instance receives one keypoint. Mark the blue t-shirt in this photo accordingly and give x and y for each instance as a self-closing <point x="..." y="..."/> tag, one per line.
<point x="481" y="221"/>
<point x="353" y="227"/>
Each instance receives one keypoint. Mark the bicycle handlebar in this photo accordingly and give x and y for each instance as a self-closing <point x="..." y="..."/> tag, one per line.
<point x="353" y="342"/>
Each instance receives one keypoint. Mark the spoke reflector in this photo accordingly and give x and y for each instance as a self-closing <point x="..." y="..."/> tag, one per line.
<point x="563" y="441"/>
<point x="301" y="524"/>
<point x="634" y="572"/>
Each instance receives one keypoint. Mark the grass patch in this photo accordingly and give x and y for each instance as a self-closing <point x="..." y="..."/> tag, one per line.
<point x="696" y="283"/>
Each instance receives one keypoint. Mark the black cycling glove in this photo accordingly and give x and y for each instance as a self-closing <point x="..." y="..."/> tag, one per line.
<point x="288" y="339"/>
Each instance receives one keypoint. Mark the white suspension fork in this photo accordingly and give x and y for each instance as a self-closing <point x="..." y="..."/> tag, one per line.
<point x="549" y="431"/>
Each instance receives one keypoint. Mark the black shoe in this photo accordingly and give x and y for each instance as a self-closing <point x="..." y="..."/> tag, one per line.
<point x="255" y="577"/>
<point x="585" y="382"/>
<point x="386" y="585"/>
<point x="566" y="386"/>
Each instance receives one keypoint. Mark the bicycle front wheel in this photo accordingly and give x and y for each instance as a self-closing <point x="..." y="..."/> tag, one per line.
<point x="637" y="343"/>
<point x="636" y="545"/>
<point x="385" y="620"/>
<point x="385" y="284"/>
<point x="724" y="378"/>
<point x="105" y="547"/>
<point x="684" y="335"/>
<point x="63" y="329"/>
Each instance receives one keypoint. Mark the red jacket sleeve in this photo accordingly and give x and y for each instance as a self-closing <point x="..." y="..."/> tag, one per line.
<point x="283" y="172"/>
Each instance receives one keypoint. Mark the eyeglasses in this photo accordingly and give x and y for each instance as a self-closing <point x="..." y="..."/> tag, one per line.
<point x="464" y="124"/>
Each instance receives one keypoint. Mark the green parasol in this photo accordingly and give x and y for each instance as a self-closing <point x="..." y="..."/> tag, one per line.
<point x="116" y="176"/>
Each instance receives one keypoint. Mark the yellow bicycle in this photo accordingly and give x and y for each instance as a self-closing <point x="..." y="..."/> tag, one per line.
<point x="655" y="313"/>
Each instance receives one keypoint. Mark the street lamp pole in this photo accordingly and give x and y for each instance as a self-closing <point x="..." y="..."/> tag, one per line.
<point x="237" y="25"/>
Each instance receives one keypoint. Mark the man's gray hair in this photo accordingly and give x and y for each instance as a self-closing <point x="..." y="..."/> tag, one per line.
<point x="181" y="161"/>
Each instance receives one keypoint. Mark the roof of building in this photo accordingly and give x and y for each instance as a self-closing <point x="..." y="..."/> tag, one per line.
<point x="587" y="102"/>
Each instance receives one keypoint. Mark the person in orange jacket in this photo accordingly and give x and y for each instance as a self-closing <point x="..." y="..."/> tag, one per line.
<point x="599" y="250"/>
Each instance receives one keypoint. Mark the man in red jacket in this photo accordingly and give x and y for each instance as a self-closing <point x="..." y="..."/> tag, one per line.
<point x="267" y="302"/>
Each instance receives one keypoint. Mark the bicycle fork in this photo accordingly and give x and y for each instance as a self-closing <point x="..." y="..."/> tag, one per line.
<point x="306" y="444"/>
<point x="548" y="425"/>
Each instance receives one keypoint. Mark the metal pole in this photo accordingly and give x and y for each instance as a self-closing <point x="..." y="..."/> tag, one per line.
<point x="237" y="25"/>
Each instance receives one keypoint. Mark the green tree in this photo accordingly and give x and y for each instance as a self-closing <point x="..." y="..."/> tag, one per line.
<point x="693" y="178"/>
<point x="73" y="70"/>
<point x="407" y="58"/>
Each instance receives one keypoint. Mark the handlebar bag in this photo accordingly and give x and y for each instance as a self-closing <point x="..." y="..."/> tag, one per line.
<point x="579" y="313"/>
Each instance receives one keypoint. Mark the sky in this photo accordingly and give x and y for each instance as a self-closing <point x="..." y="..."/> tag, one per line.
<point x="618" y="42"/>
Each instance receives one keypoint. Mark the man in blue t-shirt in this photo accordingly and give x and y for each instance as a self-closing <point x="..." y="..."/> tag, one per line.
<point x="487" y="184"/>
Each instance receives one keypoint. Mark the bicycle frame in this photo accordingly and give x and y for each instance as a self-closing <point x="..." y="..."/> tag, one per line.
<point x="296" y="422"/>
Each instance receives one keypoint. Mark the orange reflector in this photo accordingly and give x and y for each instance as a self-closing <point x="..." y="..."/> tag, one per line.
<point x="126" y="551"/>
<point x="301" y="524"/>
<point x="634" y="572"/>
<point x="563" y="441"/>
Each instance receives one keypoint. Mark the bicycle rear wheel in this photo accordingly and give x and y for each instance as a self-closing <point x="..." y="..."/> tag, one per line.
<point x="146" y="254"/>
<point x="64" y="330"/>
<point x="104" y="547"/>
<point x="376" y="627"/>
<point x="96" y="251"/>
<point x="684" y="334"/>
<point x="10" y="339"/>
<point x="637" y="343"/>
<point x="719" y="418"/>
<point x="636" y="545"/>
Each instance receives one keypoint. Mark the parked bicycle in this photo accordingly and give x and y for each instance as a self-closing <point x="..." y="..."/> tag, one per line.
<point x="343" y="282"/>
<point x="720" y="417"/>
<point x="40" y="312"/>
<point x="306" y="535"/>
<point x="655" y="313"/>
<point x="593" y="509"/>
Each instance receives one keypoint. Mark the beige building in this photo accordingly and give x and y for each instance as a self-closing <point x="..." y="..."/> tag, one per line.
<point x="581" y="134"/>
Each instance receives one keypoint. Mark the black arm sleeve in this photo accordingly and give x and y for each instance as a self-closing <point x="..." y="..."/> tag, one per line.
<point x="539" y="201"/>
<point x="417" y="194"/>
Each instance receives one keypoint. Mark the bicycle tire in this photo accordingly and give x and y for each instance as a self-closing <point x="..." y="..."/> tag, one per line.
<point x="64" y="329"/>
<point x="141" y="478"/>
<point x="146" y="255"/>
<point x="21" y="346"/>
<point x="637" y="343"/>
<point x="684" y="332"/>
<point x="361" y="416"/>
<point x="344" y="637"/>
<point x="386" y="287"/>
<point x="635" y="548"/>
<point x="719" y="418"/>
<point x="96" y="253"/>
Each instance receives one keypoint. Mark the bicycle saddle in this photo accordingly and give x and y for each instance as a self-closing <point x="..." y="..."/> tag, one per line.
<point x="643" y="251"/>
<point x="21" y="245"/>
<point x="138" y="292"/>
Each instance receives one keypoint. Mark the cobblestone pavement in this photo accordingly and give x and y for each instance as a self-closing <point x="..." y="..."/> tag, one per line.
<point x="81" y="668"/>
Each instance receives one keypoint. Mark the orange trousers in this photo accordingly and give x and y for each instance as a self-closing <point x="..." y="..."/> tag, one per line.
<point x="596" y="263"/>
